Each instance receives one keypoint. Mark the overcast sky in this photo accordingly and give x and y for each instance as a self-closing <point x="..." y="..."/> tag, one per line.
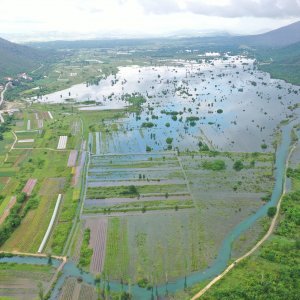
<point x="22" y="20"/>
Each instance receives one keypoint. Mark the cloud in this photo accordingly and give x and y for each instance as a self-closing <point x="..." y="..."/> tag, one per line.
<point x="21" y="19"/>
<point x="226" y="8"/>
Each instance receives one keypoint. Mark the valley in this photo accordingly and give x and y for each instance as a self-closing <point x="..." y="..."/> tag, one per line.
<point x="142" y="173"/>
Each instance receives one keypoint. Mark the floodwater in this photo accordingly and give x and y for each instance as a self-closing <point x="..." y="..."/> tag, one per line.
<point x="218" y="265"/>
<point x="238" y="106"/>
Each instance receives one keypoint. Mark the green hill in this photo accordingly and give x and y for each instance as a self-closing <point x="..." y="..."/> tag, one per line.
<point x="15" y="58"/>
<point x="283" y="63"/>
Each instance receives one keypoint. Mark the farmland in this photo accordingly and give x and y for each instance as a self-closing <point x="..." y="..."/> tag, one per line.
<point x="156" y="166"/>
<point x="23" y="281"/>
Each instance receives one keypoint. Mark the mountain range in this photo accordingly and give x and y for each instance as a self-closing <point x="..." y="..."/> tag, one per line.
<point x="16" y="58"/>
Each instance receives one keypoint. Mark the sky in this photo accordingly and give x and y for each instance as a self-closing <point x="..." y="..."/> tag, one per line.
<point x="31" y="20"/>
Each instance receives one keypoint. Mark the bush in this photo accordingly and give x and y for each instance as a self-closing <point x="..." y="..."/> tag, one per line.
<point x="143" y="283"/>
<point x="85" y="252"/>
<point x="21" y="197"/>
<point x="147" y="125"/>
<point x="238" y="165"/>
<point x="216" y="165"/>
<point x="169" y="140"/>
<point x="272" y="211"/>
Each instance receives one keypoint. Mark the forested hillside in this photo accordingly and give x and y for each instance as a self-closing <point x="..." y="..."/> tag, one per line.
<point x="15" y="58"/>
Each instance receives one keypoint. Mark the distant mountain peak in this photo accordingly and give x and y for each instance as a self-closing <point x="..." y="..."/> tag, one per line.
<point x="280" y="37"/>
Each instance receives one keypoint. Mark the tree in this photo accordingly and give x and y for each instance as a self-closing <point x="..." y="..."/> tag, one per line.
<point x="238" y="165"/>
<point x="49" y="259"/>
<point x="272" y="211"/>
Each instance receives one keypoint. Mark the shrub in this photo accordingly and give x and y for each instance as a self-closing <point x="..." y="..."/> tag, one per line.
<point x="169" y="140"/>
<point x="238" y="165"/>
<point x="216" y="165"/>
<point x="272" y="211"/>
<point x="264" y="146"/>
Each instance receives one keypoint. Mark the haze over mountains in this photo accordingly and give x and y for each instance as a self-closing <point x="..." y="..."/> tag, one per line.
<point x="16" y="58"/>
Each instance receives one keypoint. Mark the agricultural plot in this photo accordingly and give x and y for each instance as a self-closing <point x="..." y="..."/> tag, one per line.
<point x="52" y="130"/>
<point x="72" y="158"/>
<point x="41" y="165"/>
<point x="156" y="247"/>
<point x="26" y="139"/>
<point x="29" y="235"/>
<point x="169" y="244"/>
<point x="50" y="226"/>
<point x="226" y="197"/>
<point x="5" y="145"/>
<point x="21" y="281"/>
<point x="28" y="188"/>
<point x="39" y="120"/>
<point x="135" y="182"/>
<point x="98" y="228"/>
<point x="7" y="209"/>
<point x="74" y="290"/>
<point x="31" y="119"/>
<point x="78" y="169"/>
<point x="62" y="143"/>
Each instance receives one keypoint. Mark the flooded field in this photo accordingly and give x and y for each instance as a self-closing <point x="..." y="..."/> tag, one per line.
<point x="178" y="162"/>
<point x="225" y="103"/>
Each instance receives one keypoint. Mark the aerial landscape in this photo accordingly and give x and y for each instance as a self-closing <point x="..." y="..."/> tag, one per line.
<point x="150" y="150"/>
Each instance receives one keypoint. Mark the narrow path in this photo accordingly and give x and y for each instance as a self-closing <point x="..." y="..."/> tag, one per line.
<point x="259" y="243"/>
<point x="18" y="253"/>
<point x="3" y="92"/>
<point x="16" y="139"/>
<point x="2" y="101"/>
<point x="37" y="68"/>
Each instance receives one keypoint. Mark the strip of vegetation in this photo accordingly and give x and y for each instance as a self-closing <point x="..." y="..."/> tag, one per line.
<point x="129" y="192"/>
<point x="216" y="165"/>
<point x="14" y="219"/>
<point x="64" y="225"/>
<point x="143" y="207"/>
<point x="85" y="252"/>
